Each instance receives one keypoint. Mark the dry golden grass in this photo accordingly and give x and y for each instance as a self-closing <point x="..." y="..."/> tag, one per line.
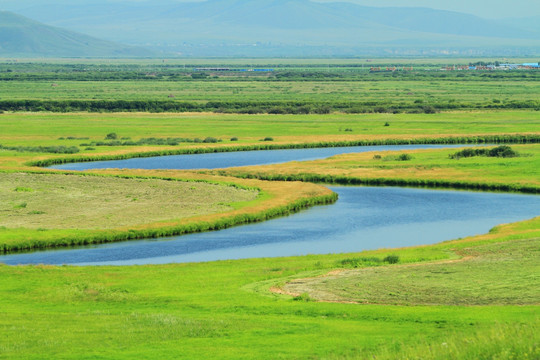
<point x="277" y="194"/>
<point x="61" y="201"/>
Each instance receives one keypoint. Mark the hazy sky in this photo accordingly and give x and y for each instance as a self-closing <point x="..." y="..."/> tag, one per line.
<point x="482" y="8"/>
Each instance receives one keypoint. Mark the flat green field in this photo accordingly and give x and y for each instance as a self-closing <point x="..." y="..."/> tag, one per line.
<point x="225" y="310"/>
<point x="472" y="298"/>
<point x="502" y="274"/>
<point x="59" y="201"/>
<point x="468" y="92"/>
<point x="293" y="88"/>
<point x="46" y="129"/>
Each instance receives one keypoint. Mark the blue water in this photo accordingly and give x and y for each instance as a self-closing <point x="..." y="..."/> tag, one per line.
<point x="233" y="159"/>
<point x="363" y="218"/>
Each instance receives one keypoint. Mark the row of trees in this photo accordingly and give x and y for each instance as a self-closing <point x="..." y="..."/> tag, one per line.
<point x="255" y="107"/>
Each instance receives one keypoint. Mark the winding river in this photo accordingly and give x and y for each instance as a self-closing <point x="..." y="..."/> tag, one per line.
<point x="363" y="218"/>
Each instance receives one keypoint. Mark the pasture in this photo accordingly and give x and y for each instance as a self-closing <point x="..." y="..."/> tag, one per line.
<point x="470" y="298"/>
<point x="226" y="310"/>
<point x="22" y="130"/>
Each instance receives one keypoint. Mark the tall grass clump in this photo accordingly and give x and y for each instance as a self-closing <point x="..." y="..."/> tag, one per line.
<point x="358" y="262"/>
<point x="391" y="259"/>
<point x="503" y="151"/>
<point x="43" y="149"/>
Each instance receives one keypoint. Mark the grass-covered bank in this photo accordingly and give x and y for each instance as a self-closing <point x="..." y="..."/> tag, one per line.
<point x="418" y="168"/>
<point x="70" y="201"/>
<point x="43" y="210"/>
<point x="493" y="139"/>
<point x="221" y="310"/>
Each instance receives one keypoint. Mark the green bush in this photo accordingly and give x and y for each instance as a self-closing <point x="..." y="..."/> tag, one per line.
<point x="404" y="157"/>
<point x="23" y="189"/>
<point x="303" y="297"/>
<point x="359" y="261"/>
<point x="199" y="76"/>
<point x="503" y="151"/>
<point x="210" y="140"/>
<point x="401" y="157"/>
<point x="391" y="259"/>
<point x="429" y="110"/>
<point x="43" y="149"/>
<point x="111" y="136"/>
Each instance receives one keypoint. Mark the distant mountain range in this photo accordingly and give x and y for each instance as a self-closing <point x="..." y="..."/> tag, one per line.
<point x="291" y="28"/>
<point x="22" y="37"/>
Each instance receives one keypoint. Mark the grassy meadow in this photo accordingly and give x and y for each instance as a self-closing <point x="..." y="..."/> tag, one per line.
<point x="318" y="88"/>
<point x="432" y="168"/>
<point x="503" y="274"/>
<point x="470" y="298"/>
<point x="226" y="310"/>
<point x="407" y="91"/>
<point x="23" y="130"/>
<point x="61" y="201"/>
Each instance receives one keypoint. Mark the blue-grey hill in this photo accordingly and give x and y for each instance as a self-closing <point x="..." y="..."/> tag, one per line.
<point x="23" y="37"/>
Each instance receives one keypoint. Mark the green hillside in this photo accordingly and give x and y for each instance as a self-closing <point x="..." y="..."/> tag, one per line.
<point x="20" y="36"/>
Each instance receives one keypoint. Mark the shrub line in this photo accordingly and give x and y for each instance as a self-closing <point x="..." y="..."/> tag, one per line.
<point x="417" y="183"/>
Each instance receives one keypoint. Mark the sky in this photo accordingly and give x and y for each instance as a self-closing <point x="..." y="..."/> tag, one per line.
<point x="484" y="8"/>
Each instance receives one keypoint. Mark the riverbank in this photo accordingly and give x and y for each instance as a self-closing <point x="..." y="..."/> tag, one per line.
<point x="23" y="208"/>
<point x="433" y="168"/>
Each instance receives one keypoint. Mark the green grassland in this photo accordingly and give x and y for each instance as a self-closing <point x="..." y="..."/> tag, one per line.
<point x="310" y="87"/>
<point x="467" y="92"/>
<point x="472" y="298"/>
<point x="225" y="310"/>
<point x="46" y="129"/>
<point x="502" y="274"/>
<point x="52" y="209"/>
<point x="255" y="96"/>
